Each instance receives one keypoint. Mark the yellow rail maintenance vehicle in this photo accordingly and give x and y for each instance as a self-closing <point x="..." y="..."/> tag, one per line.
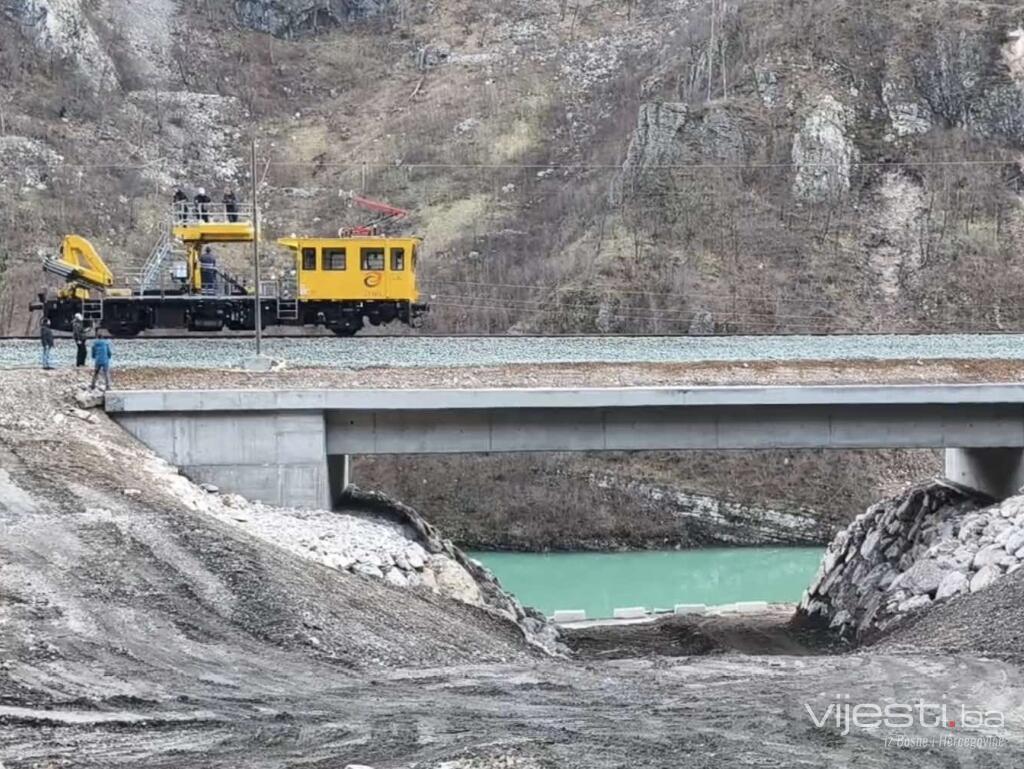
<point x="340" y="283"/>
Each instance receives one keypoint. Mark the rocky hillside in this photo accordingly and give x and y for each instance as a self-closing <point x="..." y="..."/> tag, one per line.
<point x="650" y="165"/>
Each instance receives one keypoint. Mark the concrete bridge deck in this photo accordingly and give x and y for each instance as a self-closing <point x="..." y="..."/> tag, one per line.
<point x="291" y="446"/>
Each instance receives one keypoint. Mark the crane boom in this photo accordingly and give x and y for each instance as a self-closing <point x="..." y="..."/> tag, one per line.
<point x="80" y="264"/>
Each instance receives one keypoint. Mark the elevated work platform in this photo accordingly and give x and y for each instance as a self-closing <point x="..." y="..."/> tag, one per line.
<point x="275" y="436"/>
<point x="214" y="232"/>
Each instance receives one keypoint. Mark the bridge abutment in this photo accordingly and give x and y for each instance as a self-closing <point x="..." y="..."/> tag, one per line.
<point x="997" y="472"/>
<point x="276" y="457"/>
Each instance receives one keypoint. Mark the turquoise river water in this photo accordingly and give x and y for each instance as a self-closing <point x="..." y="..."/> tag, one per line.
<point x="601" y="582"/>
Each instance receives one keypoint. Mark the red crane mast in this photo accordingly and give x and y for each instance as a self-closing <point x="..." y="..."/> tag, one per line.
<point x="388" y="213"/>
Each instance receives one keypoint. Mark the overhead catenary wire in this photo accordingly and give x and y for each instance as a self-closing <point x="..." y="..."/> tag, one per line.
<point x="823" y="325"/>
<point x="555" y="166"/>
<point x="608" y="288"/>
<point x="559" y="166"/>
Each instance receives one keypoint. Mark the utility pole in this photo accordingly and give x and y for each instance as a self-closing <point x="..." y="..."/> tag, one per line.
<point x="711" y="50"/>
<point x="256" y="252"/>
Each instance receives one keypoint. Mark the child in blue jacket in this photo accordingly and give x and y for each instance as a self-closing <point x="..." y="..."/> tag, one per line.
<point x="101" y="355"/>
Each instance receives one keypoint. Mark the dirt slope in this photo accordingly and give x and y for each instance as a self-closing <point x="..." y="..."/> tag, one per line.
<point x="112" y="600"/>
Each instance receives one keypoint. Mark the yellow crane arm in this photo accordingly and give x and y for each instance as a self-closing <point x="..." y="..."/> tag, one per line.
<point x="79" y="264"/>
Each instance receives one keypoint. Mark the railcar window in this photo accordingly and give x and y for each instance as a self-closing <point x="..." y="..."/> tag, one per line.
<point x="334" y="259"/>
<point x="309" y="259"/>
<point x="372" y="258"/>
<point x="397" y="259"/>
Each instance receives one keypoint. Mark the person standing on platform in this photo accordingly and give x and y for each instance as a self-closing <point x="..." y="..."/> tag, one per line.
<point x="180" y="207"/>
<point x="231" y="206"/>
<point x="202" y="202"/>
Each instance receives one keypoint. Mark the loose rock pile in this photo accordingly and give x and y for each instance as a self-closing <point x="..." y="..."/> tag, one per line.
<point x="907" y="553"/>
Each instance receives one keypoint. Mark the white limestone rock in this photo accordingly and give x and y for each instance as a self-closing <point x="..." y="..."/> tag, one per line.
<point x="964" y="555"/>
<point x="415" y="556"/>
<point x="368" y="570"/>
<point x="922" y="578"/>
<point x="1014" y="541"/>
<point x="985" y="577"/>
<point x="89" y="399"/>
<point x="954" y="583"/>
<point x="401" y="562"/>
<point x="454" y="581"/>
<point x="915" y="602"/>
<point x="396" y="578"/>
<point x="988" y="555"/>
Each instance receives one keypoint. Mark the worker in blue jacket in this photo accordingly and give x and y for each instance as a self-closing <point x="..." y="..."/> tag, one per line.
<point x="102" y="353"/>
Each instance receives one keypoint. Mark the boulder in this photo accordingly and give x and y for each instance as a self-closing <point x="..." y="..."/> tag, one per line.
<point x="89" y="399"/>
<point x="368" y="570"/>
<point x="954" y="583"/>
<point x="922" y="578"/>
<point x="916" y="602"/>
<point x="414" y="556"/>
<point x="964" y="555"/>
<point x="401" y="562"/>
<point x="988" y="555"/>
<point x="997" y="526"/>
<point x="454" y="581"/>
<point x="870" y="543"/>
<point x="396" y="578"/>
<point x="1014" y="541"/>
<point x="985" y="577"/>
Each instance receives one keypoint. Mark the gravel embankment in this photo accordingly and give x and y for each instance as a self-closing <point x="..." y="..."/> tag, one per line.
<point x="990" y="622"/>
<point x="427" y="352"/>
<point x="580" y="375"/>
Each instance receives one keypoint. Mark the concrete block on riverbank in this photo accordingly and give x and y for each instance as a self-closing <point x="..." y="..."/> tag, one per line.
<point x="569" y="615"/>
<point x="751" y="607"/>
<point x="631" y="612"/>
<point x="691" y="608"/>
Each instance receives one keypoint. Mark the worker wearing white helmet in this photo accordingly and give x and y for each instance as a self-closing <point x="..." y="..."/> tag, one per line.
<point x="202" y="203"/>
<point x="78" y="333"/>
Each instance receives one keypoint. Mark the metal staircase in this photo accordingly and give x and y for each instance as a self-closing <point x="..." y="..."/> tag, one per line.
<point x="153" y="270"/>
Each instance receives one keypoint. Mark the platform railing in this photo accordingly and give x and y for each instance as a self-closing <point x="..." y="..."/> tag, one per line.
<point x="211" y="213"/>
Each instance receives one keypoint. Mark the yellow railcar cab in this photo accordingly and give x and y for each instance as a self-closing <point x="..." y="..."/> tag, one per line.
<point x="361" y="268"/>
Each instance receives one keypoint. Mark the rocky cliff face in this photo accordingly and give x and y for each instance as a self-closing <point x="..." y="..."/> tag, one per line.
<point x="287" y="18"/>
<point x="912" y="552"/>
<point x="587" y="170"/>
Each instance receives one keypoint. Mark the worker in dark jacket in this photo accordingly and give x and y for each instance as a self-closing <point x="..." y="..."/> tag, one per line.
<point x="46" y="337"/>
<point x="78" y="334"/>
<point x="208" y="271"/>
<point x="202" y="201"/>
<point x="102" y="353"/>
<point x="231" y="206"/>
<point x="180" y="207"/>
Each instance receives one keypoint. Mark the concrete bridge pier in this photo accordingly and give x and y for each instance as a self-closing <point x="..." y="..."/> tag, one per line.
<point x="339" y="474"/>
<point x="999" y="473"/>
